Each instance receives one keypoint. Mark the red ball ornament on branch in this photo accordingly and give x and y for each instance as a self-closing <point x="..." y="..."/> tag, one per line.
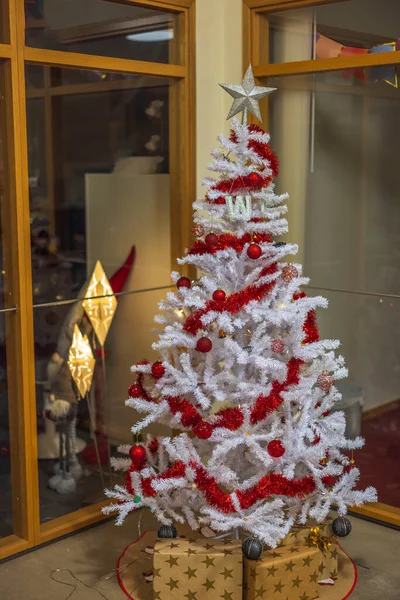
<point x="204" y="344"/>
<point x="211" y="240"/>
<point x="137" y="454"/>
<point x="255" y="178"/>
<point x="276" y="449"/>
<point x="325" y="381"/>
<point x="203" y="430"/>
<point x="289" y="272"/>
<point x="184" y="282"/>
<point x="219" y="295"/>
<point x="135" y="391"/>
<point x="277" y="346"/>
<point x="157" y="369"/>
<point x="254" y="251"/>
<point x="198" y="230"/>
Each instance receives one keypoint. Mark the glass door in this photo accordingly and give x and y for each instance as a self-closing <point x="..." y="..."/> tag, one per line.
<point x="96" y="183"/>
<point x="334" y="122"/>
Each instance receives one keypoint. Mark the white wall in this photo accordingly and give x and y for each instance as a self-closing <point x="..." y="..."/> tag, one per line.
<point x="219" y="60"/>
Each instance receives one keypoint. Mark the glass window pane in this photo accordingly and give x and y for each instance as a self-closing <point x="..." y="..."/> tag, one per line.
<point x="6" y="331"/>
<point x="356" y="25"/>
<point x="101" y="415"/>
<point x="103" y="28"/>
<point x="4" y="22"/>
<point x="99" y="182"/>
<point x="336" y="136"/>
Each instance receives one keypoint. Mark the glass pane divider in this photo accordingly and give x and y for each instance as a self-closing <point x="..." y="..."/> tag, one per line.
<point x="329" y="64"/>
<point x="10" y="309"/>
<point x="94" y="87"/>
<point x="117" y="295"/>
<point x="167" y="5"/>
<point x="356" y="292"/>
<point x="22" y="405"/>
<point x="5" y="51"/>
<point x="58" y="58"/>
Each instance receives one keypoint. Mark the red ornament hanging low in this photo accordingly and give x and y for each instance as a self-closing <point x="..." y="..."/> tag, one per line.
<point x="325" y="381"/>
<point x="276" y="449"/>
<point x="204" y="344"/>
<point x="184" y="282"/>
<point x="203" y="430"/>
<point x="135" y="391"/>
<point x="219" y="295"/>
<point x="289" y="272"/>
<point x="157" y="369"/>
<point x="198" y="230"/>
<point x="277" y="346"/>
<point x="254" y="251"/>
<point x="137" y="454"/>
<point x="211" y="240"/>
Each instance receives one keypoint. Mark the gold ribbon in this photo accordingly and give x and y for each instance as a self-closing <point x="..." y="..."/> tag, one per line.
<point x="321" y="542"/>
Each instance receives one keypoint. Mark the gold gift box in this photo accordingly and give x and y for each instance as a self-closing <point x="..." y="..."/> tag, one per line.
<point x="288" y="573"/>
<point x="192" y="569"/>
<point x="317" y="535"/>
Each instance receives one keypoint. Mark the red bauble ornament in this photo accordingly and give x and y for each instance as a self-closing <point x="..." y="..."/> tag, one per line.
<point x="277" y="346"/>
<point x="137" y="454"/>
<point x="198" y="230"/>
<point x="135" y="391"/>
<point x="157" y="369"/>
<point x="211" y="240"/>
<point x="254" y="251"/>
<point x="219" y="295"/>
<point x="289" y="272"/>
<point x="183" y="282"/>
<point x="254" y="178"/>
<point x="276" y="449"/>
<point x="325" y="381"/>
<point x="204" y="344"/>
<point x="203" y="430"/>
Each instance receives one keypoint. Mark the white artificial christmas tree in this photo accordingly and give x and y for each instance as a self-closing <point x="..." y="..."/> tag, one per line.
<point x="243" y="376"/>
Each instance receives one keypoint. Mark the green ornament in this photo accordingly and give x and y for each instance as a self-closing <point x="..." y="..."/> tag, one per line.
<point x="137" y="499"/>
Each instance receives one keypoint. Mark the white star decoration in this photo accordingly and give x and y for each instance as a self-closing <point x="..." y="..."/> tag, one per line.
<point x="246" y="95"/>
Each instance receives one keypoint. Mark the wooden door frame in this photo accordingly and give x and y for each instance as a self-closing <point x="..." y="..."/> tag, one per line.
<point x="255" y="51"/>
<point x="28" y="531"/>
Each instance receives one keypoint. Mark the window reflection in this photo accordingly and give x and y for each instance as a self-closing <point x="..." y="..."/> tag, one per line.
<point x="99" y="195"/>
<point x="342" y="29"/>
<point x="336" y="137"/>
<point x="102" y="28"/>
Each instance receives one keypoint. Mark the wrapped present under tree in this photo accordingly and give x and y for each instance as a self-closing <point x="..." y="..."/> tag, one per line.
<point x="188" y="568"/>
<point x="317" y="535"/>
<point x="289" y="573"/>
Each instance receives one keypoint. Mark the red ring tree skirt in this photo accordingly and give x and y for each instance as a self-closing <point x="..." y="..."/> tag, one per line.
<point x="135" y="563"/>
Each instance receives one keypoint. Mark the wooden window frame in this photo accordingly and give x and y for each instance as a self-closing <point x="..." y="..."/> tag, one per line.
<point x="28" y="531"/>
<point x="255" y="31"/>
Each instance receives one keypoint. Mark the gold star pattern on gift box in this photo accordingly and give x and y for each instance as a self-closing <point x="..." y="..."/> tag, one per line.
<point x="100" y="303"/>
<point x="283" y="574"/>
<point x="193" y="569"/>
<point x="81" y="362"/>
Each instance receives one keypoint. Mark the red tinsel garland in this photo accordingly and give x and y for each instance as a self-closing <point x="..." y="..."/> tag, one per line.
<point x="227" y="240"/>
<point x="253" y="181"/>
<point x="265" y="405"/>
<point x="310" y="326"/>
<point x="264" y="151"/>
<point x="233" y="303"/>
<point x="230" y="418"/>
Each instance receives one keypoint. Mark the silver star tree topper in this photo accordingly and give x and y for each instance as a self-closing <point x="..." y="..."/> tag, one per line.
<point x="246" y="96"/>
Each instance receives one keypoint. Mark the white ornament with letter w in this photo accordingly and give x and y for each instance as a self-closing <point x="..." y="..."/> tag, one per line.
<point x="239" y="208"/>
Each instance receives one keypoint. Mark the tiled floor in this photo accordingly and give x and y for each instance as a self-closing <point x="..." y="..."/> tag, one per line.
<point x="81" y="567"/>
